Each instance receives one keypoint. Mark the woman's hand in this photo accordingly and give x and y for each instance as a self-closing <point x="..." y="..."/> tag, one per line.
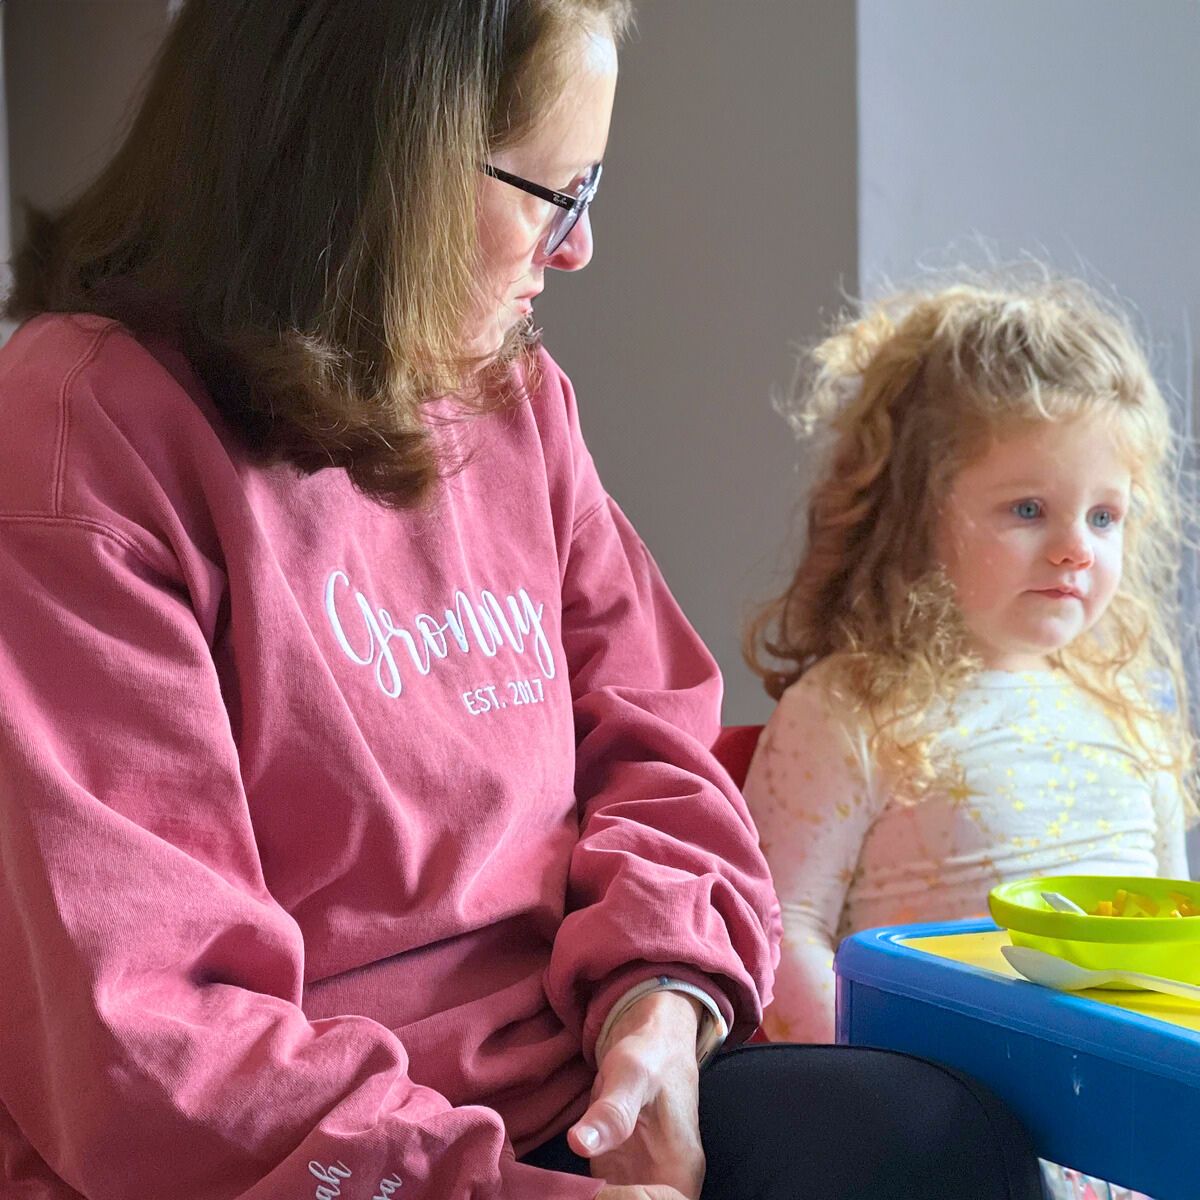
<point x="642" y="1126"/>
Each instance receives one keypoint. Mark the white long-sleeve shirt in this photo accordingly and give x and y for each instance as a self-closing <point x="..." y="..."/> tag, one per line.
<point x="1037" y="782"/>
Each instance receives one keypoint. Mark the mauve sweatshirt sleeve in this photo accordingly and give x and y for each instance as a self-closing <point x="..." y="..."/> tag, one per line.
<point x="151" y="1039"/>
<point x="667" y="876"/>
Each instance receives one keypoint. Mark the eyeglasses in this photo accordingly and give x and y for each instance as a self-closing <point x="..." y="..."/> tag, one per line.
<point x="570" y="207"/>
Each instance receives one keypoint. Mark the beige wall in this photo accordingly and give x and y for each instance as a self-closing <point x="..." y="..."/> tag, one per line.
<point x="70" y="67"/>
<point x="726" y="229"/>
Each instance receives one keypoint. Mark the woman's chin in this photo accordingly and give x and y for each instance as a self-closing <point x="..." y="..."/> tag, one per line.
<point x="500" y="340"/>
<point x="485" y="344"/>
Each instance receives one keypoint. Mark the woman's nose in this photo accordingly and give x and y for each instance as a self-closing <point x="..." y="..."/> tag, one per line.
<point x="576" y="250"/>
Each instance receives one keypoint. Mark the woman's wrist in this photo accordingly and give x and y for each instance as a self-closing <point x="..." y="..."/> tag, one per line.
<point x="662" y="1015"/>
<point x="708" y="1029"/>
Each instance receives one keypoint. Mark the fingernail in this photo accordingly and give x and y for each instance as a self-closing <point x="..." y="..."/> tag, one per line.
<point x="588" y="1136"/>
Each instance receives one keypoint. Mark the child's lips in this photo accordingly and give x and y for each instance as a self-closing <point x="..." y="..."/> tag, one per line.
<point x="1058" y="593"/>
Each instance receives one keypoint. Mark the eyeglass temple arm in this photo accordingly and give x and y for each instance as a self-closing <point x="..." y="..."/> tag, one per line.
<point x="534" y="189"/>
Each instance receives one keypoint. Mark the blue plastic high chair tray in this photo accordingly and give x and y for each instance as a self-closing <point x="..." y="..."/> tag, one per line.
<point x="1106" y="1082"/>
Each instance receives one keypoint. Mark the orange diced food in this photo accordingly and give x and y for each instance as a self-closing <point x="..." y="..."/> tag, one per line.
<point x="1136" y="904"/>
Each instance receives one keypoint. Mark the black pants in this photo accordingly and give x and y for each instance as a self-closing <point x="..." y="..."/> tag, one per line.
<point x="783" y="1122"/>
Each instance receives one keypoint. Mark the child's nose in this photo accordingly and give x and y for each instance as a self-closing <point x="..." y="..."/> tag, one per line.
<point x="1072" y="547"/>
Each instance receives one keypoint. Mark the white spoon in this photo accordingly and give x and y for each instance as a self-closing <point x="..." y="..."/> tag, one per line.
<point x="1061" y="903"/>
<point x="1056" y="972"/>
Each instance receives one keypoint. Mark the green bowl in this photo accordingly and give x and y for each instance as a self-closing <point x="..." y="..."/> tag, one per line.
<point x="1167" y="946"/>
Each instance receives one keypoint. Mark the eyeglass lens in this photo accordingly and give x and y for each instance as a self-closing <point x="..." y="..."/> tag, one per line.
<point x="565" y="219"/>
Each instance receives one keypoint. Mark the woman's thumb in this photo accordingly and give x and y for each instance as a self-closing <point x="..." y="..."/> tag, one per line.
<point x="612" y="1116"/>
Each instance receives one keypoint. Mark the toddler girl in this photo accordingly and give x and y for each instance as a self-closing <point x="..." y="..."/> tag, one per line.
<point x="975" y="663"/>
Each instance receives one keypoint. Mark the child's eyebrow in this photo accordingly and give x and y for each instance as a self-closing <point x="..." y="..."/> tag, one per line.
<point x="1025" y="486"/>
<point x="1021" y="487"/>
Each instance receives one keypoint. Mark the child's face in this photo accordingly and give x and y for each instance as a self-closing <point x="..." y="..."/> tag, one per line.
<point x="1031" y="536"/>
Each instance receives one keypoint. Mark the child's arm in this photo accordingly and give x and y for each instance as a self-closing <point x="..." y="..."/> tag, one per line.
<point x="1170" y="844"/>
<point x="808" y="790"/>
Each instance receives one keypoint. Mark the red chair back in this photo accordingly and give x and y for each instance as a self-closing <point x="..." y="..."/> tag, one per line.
<point x="734" y="748"/>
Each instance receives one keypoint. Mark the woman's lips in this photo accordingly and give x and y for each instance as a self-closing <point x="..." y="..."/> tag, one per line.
<point x="524" y="304"/>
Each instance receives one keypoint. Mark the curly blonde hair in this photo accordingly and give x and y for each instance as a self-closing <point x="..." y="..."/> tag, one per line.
<point x="911" y="390"/>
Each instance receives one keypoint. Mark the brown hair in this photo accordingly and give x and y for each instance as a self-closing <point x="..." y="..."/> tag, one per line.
<point x="909" y="392"/>
<point x="295" y="199"/>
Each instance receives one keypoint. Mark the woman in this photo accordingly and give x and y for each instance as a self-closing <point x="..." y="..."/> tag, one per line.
<point x="359" y="828"/>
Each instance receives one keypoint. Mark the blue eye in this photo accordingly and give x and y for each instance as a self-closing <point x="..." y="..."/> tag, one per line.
<point x="1103" y="518"/>
<point x="1027" y="510"/>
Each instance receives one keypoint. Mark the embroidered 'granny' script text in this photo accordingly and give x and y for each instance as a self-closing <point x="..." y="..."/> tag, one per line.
<point x="330" y="1186"/>
<point x="331" y="1179"/>
<point x="369" y="634"/>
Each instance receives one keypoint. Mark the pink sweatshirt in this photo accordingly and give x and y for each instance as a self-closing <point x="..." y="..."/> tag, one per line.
<point x="329" y="834"/>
